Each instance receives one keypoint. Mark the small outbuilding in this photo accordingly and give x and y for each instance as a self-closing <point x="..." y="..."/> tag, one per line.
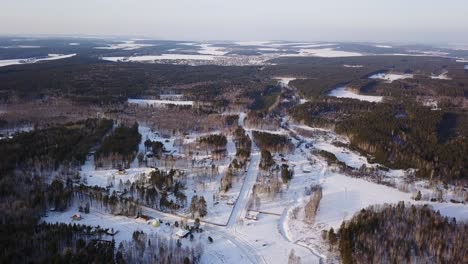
<point x="181" y="233"/>
<point x="76" y="217"/>
<point x="252" y="215"/>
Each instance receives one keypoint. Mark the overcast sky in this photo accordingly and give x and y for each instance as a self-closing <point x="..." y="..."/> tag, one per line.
<point x="346" y="20"/>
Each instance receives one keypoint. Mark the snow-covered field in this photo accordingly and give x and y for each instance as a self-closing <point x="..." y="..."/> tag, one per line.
<point x="125" y="45"/>
<point x="252" y="43"/>
<point x="314" y="45"/>
<point x="442" y="76"/>
<point x="224" y="249"/>
<point x="324" y="52"/>
<point x="383" y="46"/>
<point x="20" y="47"/>
<point x="268" y="49"/>
<point x="154" y="58"/>
<point x="149" y="102"/>
<point x="390" y="77"/>
<point x="343" y="92"/>
<point x="209" y="49"/>
<point x="284" y="81"/>
<point x="34" y="60"/>
<point x="353" y="65"/>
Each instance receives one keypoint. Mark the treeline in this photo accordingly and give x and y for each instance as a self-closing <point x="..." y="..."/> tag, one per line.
<point x="331" y="158"/>
<point x="159" y="190"/>
<point x="264" y="99"/>
<point x="243" y="145"/>
<point x="266" y="160"/>
<point x="217" y="141"/>
<point x="324" y="112"/>
<point x="310" y="209"/>
<point x="271" y="142"/>
<point x="119" y="148"/>
<point x="401" y="234"/>
<point x="57" y="243"/>
<point x="262" y="120"/>
<point x="102" y="199"/>
<point x="152" y="248"/>
<point x="161" y="183"/>
<point x="419" y="85"/>
<point x="47" y="148"/>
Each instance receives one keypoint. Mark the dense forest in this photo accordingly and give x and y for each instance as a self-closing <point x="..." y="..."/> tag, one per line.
<point x="50" y="147"/>
<point x="120" y="147"/>
<point x="58" y="243"/>
<point x="413" y="138"/>
<point x="25" y="195"/>
<point x="263" y="100"/>
<point x="400" y="234"/>
<point x="271" y="142"/>
<point x="403" y="135"/>
<point x="217" y="141"/>
<point x="90" y="80"/>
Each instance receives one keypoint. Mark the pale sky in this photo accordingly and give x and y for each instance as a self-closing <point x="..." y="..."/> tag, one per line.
<point x="333" y="20"/>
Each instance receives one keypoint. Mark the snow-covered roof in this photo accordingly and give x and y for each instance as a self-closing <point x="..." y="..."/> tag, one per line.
<point x="182" y="233"/>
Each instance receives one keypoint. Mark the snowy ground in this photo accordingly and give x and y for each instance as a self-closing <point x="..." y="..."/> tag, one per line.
<point x="49" y="57"/>
<point x="343" y="196"/>
<point x="442" y="76"/>
<point x="271" y="238"/>
<point x="125" y="45"/>
<point x="343" y="92"/>
<point x="20" y="47"/>
<point x="284" y="81"/>
<point x="324" y="52"/>
<point x="147" y="102"/>
<point x="212" y="50"/>
<point x="383" y="46"/>
<point x="353" y="65"/>
<point x="154" y="58"/>
<point x="390" y="77"/>
<point x="252" y="43"/>
<point x="224" y="249"/>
